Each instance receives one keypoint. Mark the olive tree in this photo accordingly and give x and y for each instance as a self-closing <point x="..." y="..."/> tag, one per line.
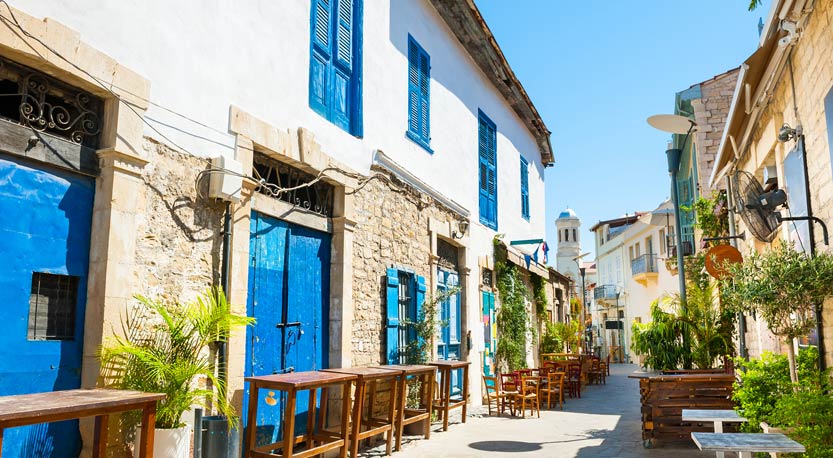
<point x="783" y="286"/>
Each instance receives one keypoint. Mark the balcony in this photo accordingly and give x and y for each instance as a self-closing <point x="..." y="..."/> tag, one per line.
<point x="644" y="269"/>
<point x="605" y="294"/>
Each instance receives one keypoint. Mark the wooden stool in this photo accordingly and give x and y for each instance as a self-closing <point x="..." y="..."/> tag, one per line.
<point x="371" y="376"/>
<point x="291" y="383"/>
<point x="444" y="404"/>
<point x="406" y="416"/>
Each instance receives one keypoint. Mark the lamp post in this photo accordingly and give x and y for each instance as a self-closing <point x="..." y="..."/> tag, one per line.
<point x="676" y="124"/>
<point x="582" y="272"/>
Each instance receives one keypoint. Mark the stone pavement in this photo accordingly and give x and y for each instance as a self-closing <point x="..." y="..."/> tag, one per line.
<point x="605" y="422"/>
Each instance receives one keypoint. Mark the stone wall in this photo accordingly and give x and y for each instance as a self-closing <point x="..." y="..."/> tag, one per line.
<point x="392" y="230"/>
<point x="179" y="235"/>
<point x="813" y="72"/>
<point x="710" y="112"/>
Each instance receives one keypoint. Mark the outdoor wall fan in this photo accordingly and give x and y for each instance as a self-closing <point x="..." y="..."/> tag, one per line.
<point x="759" y="209"/>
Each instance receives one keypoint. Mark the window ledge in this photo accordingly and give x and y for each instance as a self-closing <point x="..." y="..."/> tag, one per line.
<point x="419" y="141"/>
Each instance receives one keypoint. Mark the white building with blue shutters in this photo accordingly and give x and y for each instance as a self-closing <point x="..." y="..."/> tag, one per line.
<point x="360" y="139"/>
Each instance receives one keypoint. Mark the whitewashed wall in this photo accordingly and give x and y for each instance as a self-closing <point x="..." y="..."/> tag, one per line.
<point x="202" y="56"/>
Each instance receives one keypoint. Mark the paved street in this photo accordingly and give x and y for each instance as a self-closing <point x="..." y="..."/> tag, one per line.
<point x="603" y="423"/>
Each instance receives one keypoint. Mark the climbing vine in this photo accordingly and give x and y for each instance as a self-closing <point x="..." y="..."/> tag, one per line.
<point x="513" y="319"/>
<point x="540" y="295"/>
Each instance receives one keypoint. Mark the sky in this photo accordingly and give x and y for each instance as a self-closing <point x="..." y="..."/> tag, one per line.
<point x="595" y="70"/>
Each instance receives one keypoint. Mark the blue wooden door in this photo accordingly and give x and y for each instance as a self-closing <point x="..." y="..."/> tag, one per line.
<point x="449" y="347"/>
<point x="289" y="278"/>
<point x="489" y="333"/>
<point x="45" y="245"/>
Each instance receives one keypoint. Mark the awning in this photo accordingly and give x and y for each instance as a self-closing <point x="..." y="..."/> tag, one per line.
<point x="520" y="259"/>
<point x="662" y="217"/>
<point x="752" y="80"/>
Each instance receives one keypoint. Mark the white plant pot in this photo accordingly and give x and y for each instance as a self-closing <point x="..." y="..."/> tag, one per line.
<point x="167" y="443"/>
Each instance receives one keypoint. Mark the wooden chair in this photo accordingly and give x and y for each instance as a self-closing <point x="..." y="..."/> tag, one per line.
<point x="573" y="380"/>
<point x="596" y="373"/>
<point x="554" y="386"/>
<point x="494" y="393"/>
<point x="528" y="394"/>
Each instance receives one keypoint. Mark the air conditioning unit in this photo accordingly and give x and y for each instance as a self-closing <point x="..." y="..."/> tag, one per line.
<point x="225" y="179"/>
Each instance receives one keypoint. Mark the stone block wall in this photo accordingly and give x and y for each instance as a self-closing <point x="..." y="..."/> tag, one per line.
<point x="813" y="73"/>
<point x="710" y="112"/>
<point x="392" y="230"/>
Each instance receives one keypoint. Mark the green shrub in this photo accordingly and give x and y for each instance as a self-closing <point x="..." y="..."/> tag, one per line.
<point x="763" y="381"/>
<point x="807" y="415"/>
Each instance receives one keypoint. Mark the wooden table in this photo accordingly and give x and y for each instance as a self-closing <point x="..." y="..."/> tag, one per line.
<point x="291" y="383"/>
<point x="745" y="444"/>
<point x="30" y="409"/>
<point x="717" y="416"/>
<point x="406" y="416"/>
<point x="371" y="376"/>
<point x="444" y="404"/>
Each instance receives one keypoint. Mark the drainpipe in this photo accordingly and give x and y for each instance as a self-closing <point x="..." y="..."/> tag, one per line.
<point x="222" y="346"/>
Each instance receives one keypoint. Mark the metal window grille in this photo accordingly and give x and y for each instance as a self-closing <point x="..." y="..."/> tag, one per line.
<point x="316" y="198"/>
<point x="406" y="312"/>
<point x="52" y="304"/>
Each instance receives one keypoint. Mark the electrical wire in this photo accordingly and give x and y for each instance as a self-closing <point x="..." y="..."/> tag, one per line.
<point x="268" y="188"/>
<point x="795" y="226"/>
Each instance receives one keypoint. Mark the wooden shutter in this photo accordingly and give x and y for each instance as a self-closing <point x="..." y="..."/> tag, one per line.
<point x="488" y="171"/>
<point x="524" y="188"/>
<point x="320" y="56"/>
<point x="419" y="297"/>
<point x="342" y="74"/>
<point x="424" y="96"/>
<point x="392" y="294"/>
<point x="414" y="99"/>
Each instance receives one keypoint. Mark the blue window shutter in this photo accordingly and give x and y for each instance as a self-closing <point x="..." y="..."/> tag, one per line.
<point x="487" y="152"/>
<point x="424" y="95"/>
<point x="419" y="297"/>
<point x="335" y="62"/>
<point x="392" y="316"/>
<point x="320" y="55"/>
<point x="414" y="99"/>
<point x="524" y="188"/>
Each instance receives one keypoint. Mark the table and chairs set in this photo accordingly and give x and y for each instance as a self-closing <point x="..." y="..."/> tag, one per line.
<point x="358" y="398"/>
<point x="524" y="389"/>
<point x="744" y="444"/>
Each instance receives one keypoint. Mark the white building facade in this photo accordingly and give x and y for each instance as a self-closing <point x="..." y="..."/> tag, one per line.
<point x="410" y="139"/>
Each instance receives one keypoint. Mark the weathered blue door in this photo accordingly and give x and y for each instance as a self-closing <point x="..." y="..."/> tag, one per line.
<point x="289" y="279"/>
<point x="45" y="245"/>
<point x="449" y="347"/>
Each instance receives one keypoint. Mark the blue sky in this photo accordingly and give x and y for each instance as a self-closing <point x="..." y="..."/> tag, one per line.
<point x="596" y="70"/>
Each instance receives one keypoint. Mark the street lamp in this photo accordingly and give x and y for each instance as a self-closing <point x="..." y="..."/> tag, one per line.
<point x="675" y="124"/>
<point x="582" y="271"/>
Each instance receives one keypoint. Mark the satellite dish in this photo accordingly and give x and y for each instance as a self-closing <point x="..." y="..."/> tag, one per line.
<point x="673" y="124"/>
<point x="719" y="258"/>
<point x="758" y="209"/>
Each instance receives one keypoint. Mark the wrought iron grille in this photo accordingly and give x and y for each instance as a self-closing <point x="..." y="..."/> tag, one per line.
<point x="486" y="277"/>
<point x="447" y="254"/>
<point x="52" y="304"/>
<point x="316" y="198"/>
<point x="45" y="104"/>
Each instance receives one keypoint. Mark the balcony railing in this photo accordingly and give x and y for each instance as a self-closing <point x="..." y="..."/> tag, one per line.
<point x="647" y="263"/>
<point x="604" y="292"/>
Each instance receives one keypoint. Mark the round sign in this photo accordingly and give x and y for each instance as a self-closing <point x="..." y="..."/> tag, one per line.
<point x="718" y="259"/>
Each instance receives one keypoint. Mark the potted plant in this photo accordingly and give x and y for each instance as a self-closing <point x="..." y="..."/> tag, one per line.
<point x="164" y="349"/>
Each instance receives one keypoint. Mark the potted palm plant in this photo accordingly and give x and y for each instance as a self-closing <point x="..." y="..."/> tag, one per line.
<point x="163" y="348"/>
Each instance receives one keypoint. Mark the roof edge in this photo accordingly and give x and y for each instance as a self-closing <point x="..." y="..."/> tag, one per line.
<point x="467" y="24"/>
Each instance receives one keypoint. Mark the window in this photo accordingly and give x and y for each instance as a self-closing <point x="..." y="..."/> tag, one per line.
<point x="649" y="245"/>
<point x="419" y="100"/>
<point x="335" y="62"/>
<point x="52" y="304"/>
<point x="621" y="314"/>
<point x="575" y="238"/>
<point x="663" y="243"/>
<point x="630" y="253"/>
<point x="559" y="236"/>
<point x="487" y="151"/>
<point x="405" y="294"/>
<point x="524" y="189"/>
<point x="566" y="235"/>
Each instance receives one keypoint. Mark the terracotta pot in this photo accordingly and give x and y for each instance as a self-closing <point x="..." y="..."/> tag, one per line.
<point x="167" y="443"/>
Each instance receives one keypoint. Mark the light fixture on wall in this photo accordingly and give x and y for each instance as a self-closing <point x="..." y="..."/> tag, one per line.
<point x="462" y="227"/>
<point x="787" y="133"/>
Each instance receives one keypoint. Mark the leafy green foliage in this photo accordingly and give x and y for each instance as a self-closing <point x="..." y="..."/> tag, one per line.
<point x="551" y="338"/>
<point x="712" y="215"/>
<point x="702" y="323"/>
<point x="540" y="295"/>
<point x="171" y="353"/>
<point x="782" y="285"/>
<point x="513" y="319"/>
<point x="420" y="349"/>
<point x="807" y="415"/>
<point x="753" y="4"/>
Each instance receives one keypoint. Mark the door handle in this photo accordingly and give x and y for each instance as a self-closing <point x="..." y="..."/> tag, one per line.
<point x="294" y="323"/>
